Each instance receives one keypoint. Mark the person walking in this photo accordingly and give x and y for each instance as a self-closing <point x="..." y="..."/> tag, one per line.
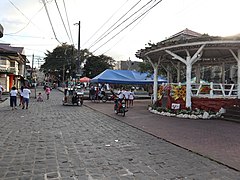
<point x="26" y="95"/>
<point x="120" y="95"/>
<point x="126" y="94"/>
<point x="13" y="97"/>
<point x="131" y="97"/>
<point x="47" y="91"/>
<point x="21" y="96"/>
<point x="1" y="90"/>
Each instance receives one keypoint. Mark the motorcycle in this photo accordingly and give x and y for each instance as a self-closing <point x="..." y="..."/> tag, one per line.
<point x="104" y="97"/>
<point x="120" y="107"/>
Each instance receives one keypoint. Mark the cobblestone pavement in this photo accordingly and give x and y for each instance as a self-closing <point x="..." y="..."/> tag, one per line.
<point x="51" y="141"/>
<point x="213" y="138"/>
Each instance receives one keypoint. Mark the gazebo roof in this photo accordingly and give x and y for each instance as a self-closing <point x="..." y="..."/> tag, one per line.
<point x="215" y="47"/>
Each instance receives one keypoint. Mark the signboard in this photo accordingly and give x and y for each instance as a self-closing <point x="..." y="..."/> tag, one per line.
<point x="175" y="106"/>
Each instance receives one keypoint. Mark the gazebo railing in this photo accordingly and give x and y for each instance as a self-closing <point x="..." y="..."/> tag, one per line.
<point x="212" y="90"/>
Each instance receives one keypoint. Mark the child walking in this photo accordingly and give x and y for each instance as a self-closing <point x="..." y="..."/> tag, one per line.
<point x="13" y="97"/>
<point x="47" y="91"/>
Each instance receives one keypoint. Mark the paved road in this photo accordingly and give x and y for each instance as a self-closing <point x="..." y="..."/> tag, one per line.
<point x="51" y="141"/>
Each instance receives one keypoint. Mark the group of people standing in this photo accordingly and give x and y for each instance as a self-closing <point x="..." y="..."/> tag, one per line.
<point x="127" y="95"/>
<point x="24" y="95"/>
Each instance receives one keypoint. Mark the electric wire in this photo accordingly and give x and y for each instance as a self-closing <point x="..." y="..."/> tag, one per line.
<point x="25" y="36"/>
<point x="125" y="34"/>
<point x="107" y="31"/>
<point x="50" y="21"/>
<point x="121" y="23"/>
<point x="19" y="10"/>
<point x="29" y="20"/>
<point x="68" y="21"/>
<point x="105" y="23"/>
<point x="128" y="25"/>
<point x="62" y="20"/>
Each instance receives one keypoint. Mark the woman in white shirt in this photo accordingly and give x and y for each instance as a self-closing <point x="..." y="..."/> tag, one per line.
<point x="13" y="97"/>
<point x="131" y="97"/>
<point x="126" y="96"/>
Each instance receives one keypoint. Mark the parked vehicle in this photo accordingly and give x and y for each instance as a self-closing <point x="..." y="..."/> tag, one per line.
<point x="73" y="96"/>
<point x="106" y="96"/>
<point x="120" y="107"/>
<point x="102" y="96"/>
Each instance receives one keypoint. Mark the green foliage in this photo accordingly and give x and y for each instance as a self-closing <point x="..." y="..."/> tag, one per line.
<point x="94" y="65"/>
<point x="145" y="66"/>
<point x="59" y="57"/>
<point x="65" y="57"/>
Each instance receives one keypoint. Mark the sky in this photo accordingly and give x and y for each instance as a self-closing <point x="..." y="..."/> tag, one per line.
<point x="116" y="28"/>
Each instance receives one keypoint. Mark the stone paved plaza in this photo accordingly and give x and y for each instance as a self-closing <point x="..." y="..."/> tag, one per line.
<point x="52" y="141"/>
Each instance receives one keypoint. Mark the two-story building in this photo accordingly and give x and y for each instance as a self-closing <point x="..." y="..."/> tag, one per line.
<point x="12" y="66"/>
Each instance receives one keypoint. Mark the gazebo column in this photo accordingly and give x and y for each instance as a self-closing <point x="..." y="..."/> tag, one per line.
<point x="188" y="82"/>
<point x="155" y="83"/>
<point x="198" y="73"/>
<point x="169" y="71"/>
<point x="237" y="57"/>
<point x="188" y="62"/>
<point x="178" y="71"/>
<point x="231" y="71"/>
<point x="238" y="79"/>
<point x="223" y="72"/>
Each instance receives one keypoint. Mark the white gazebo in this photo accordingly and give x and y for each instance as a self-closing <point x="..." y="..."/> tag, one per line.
<point x="192" y="50"/>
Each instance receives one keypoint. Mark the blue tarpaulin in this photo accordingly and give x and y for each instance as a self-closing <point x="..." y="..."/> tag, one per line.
<point x="125" y="77"/>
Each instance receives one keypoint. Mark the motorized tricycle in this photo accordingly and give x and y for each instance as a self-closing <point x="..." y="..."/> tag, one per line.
<point x="73" y="96"/>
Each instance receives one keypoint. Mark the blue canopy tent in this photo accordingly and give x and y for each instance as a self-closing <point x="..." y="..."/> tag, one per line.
<point x="125" y="77"/>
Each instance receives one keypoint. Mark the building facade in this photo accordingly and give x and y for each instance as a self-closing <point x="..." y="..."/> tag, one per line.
<point x="12" y="66"/>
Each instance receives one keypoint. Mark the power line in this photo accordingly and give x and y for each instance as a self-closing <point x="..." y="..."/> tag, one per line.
<point x="62" y="20"/>
<point x="19" y="10"/>
<point x="50" y="21"/>
<point x="29" y="21"/>
<point x="25" y="36"/>
<point x="104" y="24"/>
<point x="125" y="35"/>
<point x="122" y="22"/>
<point x="106" y="32"/>
<point x="68" y="21"/>
<point x="128" y="25"/>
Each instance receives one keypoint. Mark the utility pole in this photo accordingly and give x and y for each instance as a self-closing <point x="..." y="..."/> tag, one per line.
<point x="32" y="62"/>
<point x="78" y="64"/>
<point x="32" y="68"/>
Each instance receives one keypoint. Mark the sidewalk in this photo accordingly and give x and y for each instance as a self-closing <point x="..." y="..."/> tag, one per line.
<point x="216" y="139"/>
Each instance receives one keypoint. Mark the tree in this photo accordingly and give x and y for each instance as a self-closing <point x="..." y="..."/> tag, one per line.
<point x="63" y="58"/>
<point x="96" y="64"/>
<point x="145" y="66"/>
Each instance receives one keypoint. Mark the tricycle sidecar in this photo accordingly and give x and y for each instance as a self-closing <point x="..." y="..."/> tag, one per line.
<point x="73" y="96"/>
